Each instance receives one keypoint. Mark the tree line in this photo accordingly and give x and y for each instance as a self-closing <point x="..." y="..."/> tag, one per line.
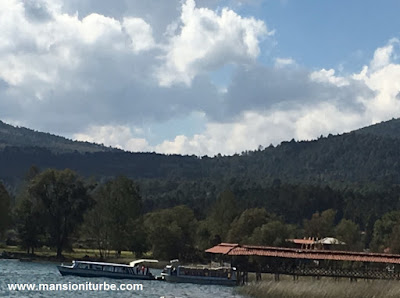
<point x="59" y="209"/>
<point x="339" y="161"/>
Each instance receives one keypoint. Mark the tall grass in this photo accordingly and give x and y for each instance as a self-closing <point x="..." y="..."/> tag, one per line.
<point x="322" y="288"/>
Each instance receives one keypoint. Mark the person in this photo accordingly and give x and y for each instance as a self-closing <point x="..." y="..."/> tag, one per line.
<point x="143" y="269"/>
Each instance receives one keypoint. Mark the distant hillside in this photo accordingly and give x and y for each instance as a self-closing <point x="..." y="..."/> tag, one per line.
<point x="389" y="128"/>
<point x="358" y="157"/>
<point x="24" y="137"/>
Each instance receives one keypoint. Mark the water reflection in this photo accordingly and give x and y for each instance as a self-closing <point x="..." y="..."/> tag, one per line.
<point x="14" y="271"/>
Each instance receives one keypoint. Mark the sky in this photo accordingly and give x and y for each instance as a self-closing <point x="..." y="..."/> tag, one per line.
<point x="198" y="77"/>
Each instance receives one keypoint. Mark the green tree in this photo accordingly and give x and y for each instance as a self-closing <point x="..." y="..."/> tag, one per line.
<point x="5" y="217"/>
<point x="386" y="233"/>
<point x="30" y="225"/>
<point x="273" y="233"/>
<point x="62" y="199"/>
<point x="115" y="220"/>
<point x="171" y="232"/>
<point x="349" y="232"/>
<point x="321" y="224"/>
<point x="243" y="226"/>
<point x="223" y="212"/>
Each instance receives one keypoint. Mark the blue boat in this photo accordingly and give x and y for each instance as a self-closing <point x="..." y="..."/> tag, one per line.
<point x="110" y="270"/>
<point x="200" y="274"/>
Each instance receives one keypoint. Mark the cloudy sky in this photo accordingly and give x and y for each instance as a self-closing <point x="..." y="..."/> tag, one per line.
<point x="198" y="77"/>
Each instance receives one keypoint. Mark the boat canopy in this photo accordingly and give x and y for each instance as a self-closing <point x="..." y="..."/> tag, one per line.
<point x="136" y="262"/>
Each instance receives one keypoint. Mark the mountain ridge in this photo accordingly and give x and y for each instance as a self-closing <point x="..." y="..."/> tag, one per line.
<point x="25" y="137"/>
<point x="363" y="156"/>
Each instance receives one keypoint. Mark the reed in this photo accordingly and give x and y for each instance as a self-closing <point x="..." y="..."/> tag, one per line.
<point x="322" y="288"/>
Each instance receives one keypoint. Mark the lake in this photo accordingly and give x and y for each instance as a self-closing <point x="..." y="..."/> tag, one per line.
<point x="14" y="271"/>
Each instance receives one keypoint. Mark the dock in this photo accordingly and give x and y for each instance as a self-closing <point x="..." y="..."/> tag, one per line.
<point x="308" y="262"/>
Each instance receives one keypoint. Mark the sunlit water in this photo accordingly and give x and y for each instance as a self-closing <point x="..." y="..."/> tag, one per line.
<point x="14" y="271"/>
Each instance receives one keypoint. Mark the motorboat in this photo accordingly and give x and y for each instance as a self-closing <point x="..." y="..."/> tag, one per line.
<point x="200" y="274"/>
<point x="135" y="270"/>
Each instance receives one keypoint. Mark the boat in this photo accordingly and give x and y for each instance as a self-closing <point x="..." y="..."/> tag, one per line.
<point x="223" y="275"/>
<point x="110" y="270"/>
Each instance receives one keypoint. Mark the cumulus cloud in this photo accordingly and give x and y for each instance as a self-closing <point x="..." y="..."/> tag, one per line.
<point x="100" y="71"/>
<point x="208" y="40"/>
<point x="328" y="76"/>
<point x="343" y="103"/>
<point x="118" y="136"/>
<point x="283" y="62"/>
<point x="140" y="33"/>
<point x="383" y="55"/>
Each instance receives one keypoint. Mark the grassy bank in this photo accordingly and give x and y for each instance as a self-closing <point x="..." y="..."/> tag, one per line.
<point x="326" y="288"/>
<point x="48" y="255"/>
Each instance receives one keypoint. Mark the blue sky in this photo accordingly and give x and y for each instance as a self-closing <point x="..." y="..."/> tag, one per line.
<point x="326" y="34"/>
<point x="198" y="77"/>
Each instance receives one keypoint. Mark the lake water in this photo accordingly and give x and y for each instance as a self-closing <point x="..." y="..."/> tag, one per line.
<point x="14" y="271"/>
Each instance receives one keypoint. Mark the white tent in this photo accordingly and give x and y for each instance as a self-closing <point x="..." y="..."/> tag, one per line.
<point x="330" y="240"/>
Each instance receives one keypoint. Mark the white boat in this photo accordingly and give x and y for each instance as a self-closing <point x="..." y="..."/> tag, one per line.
<point x="110" y="270"/>
<point x="200" y="274"/>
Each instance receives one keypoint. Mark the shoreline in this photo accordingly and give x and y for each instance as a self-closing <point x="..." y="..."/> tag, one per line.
<point x="68" y="258"/>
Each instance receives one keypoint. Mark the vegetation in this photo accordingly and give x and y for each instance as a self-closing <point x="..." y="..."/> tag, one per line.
<point x="176" y="206"/>
<point x="367" y="158"/>
<point x="5" y="203"/>
<point x="322" y="288"/>
<point x="25" y="137"/>
<point x="113" y="222"/>
<point x="56" y="203"/>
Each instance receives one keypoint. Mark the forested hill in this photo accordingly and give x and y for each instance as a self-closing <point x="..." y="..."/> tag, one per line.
<point x="24" y="137"/>
<point x="343" y="159"/>
<point x="389" y="128"/>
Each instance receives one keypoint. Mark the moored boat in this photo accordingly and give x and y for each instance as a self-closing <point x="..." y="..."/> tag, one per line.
<point x="110" y="270"/>
<point x="200" y="274"/>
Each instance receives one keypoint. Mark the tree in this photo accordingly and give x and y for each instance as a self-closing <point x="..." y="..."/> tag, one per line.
<point x="349" y="232"/>
<point x="62" y="200"/>
<point x="115" y="221"/>
<point x="223" y="212"/>
<point x="5" y="217"/>
<point x="30" y="225"/>
<point x="321" y="224"/>
<point x="243" y="226"/>
<point x="273" y="233"/>
<point x="386" y="233"/>
<point x="171" y="232"/>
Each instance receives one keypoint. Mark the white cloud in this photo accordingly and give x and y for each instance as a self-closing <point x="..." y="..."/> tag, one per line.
<point x="283" y="62"/>
<point x="328" y="76"/>
<point x="382" y="55"/>
<point x="256" y="128"/>
<point x="118" y="136"/>
<point x="208" y="40"/>
<point x="307" y="121"/>
<point x="94" y="73"/>
<point x="141" y="34"/>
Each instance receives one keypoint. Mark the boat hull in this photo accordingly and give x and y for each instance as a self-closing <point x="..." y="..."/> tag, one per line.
<point x="97" y="273"/>
<point x="200" y="280"/>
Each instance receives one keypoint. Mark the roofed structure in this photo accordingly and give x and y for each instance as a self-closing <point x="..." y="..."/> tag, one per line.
<point x="232" y="249"/>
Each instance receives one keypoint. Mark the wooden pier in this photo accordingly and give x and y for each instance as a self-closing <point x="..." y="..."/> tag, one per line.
<point x="308" y="262"/>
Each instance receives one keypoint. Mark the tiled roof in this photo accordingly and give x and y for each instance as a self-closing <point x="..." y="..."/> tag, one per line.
<point x="301" y="241"/>
<point x="282" y="252"/>
<point x="222" y="248"/>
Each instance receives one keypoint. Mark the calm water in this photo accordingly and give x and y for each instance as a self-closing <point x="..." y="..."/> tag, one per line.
<point x="14" y="271"/>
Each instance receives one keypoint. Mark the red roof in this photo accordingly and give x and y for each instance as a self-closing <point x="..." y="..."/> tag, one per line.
<point x="292" y="253"/>
<point x="222" y="248"/>
<point x="301" y="241"/>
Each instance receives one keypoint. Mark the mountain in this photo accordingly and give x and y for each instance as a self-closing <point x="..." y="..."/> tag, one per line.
<point x="366" y="156"/>
<point x="11" y="136"/>
<point x="389" y="128"/>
